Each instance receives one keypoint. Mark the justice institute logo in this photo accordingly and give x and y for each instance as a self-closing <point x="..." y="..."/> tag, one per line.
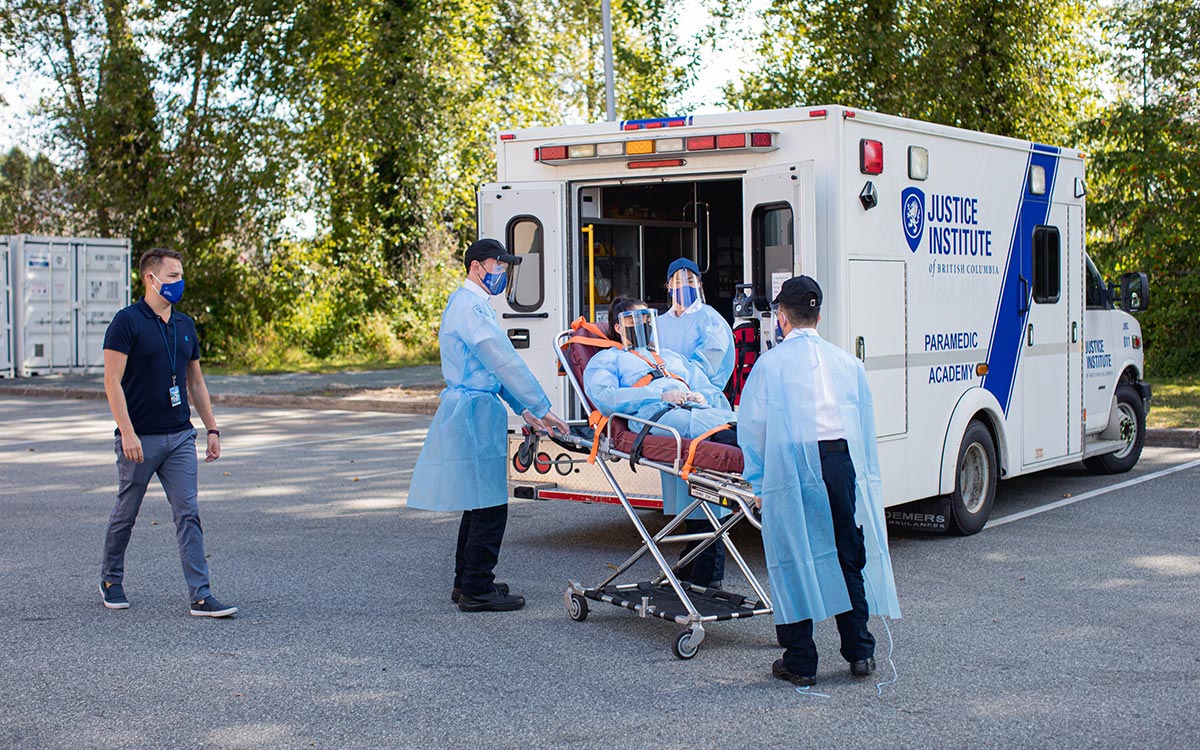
<point x="912" y="207"/>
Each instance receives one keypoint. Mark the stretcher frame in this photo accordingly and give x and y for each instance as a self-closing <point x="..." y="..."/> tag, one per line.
<point x="697" y="605"/>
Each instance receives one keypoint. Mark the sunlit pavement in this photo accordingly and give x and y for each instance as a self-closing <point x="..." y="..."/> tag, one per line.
<point x="1075" y="628"/>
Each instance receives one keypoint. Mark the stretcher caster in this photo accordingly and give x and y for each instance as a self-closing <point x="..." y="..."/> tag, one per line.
<point x="686" y="644"/>
<point x="577" y="607"/>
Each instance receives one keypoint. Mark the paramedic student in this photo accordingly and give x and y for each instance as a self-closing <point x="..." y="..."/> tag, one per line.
<point x="807" y="431"/>
<point x="463" y="466"/>
<point x="699" y="334"/>
<point x="151" y="363"/>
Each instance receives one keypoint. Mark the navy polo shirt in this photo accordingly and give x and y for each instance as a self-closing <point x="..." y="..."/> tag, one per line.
<point x="138" y="332"/>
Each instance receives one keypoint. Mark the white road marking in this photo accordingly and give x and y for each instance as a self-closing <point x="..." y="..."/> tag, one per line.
<point x="1089" y="495"/>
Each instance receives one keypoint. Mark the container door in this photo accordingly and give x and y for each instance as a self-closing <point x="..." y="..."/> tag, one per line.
<point x="779" y="217"/>
<point x="6" y="352"/>
<point x="45" y="300"/>
<point x="1044" y="368"/>
<point x="102" y="289"/>
<point x="529" y="218"/>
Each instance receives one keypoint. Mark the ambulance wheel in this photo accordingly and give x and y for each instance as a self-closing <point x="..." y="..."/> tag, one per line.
<point x="577" y="608"/>
<point x="975" y="481"/>
<point x="685" y="646"/>
<point x="1132" y="414"/>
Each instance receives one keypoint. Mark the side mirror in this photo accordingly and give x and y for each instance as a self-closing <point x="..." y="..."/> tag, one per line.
<point x="1135" y="292"/>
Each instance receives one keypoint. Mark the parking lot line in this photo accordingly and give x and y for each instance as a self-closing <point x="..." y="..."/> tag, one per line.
<point x="1088" y="495"/>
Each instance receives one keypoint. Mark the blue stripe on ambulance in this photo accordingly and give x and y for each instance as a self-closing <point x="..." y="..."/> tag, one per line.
<point x="1004" y="351"/>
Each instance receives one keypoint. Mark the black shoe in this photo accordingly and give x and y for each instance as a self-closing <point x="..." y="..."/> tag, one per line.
<point x="780" y="672"/>
<point x="862" y="667"/>
<point x="114" y="595"/>
<point x="210" y="607"/>
<point x="456" y="592"/>
<point x="493" y="601"/>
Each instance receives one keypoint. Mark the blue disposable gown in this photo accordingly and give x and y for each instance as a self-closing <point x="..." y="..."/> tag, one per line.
<point x="778" y="435"/>
<point x="703" y="338"/>
<point x="464" y="463"/>
<point x="609" y="382"/>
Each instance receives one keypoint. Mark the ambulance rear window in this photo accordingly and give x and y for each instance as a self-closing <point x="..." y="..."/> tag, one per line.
<point x="525" y="240"/>
<point x="1047" y="266"/>
<point x="772" y="245"/>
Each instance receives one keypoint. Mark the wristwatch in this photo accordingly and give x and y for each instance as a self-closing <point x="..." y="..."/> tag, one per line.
<point x="215" y="432"/>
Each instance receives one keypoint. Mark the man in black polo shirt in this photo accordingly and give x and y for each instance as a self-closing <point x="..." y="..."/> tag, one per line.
<point x="151" y="361"/>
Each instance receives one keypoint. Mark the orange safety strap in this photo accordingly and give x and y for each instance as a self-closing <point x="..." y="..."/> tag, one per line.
<point x="596" y="421"/>
<point x="691" y="456"/>
<point x="657" y="364"/>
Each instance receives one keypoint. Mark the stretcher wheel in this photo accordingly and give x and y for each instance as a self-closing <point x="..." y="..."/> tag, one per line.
<point x="577" y="608"/>
<point x="685" y="646"/>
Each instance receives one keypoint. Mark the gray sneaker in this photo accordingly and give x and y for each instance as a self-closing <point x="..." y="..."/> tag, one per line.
<point x="113" y="595"/>
<point x="210" y="607"/>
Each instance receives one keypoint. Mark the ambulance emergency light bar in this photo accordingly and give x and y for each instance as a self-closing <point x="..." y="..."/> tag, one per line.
<point x="759" y="142"/>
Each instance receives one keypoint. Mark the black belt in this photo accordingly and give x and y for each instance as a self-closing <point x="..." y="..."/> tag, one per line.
<point x="833" y="446"/>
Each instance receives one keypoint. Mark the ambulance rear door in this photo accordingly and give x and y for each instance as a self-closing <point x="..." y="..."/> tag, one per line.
<point x="779" y="218"/>
<point x="528" y="217"/>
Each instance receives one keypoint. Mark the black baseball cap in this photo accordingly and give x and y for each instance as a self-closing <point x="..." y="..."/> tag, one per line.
<point x="800" y="291"/>
<point x="481" y="250"/>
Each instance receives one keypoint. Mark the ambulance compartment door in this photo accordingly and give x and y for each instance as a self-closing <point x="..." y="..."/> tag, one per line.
<point x="878" y="331"/>
<point x="779" y="218"/>
<point x="528" y="217"/>
<point x="1045" y="376"/>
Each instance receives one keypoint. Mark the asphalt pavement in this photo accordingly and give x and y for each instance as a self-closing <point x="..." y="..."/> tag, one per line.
<point x="1077" y="627"/>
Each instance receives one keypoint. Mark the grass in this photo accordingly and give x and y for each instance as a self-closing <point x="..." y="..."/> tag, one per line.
<point x="335" y="364"/>
<point x="1175" y="402"/>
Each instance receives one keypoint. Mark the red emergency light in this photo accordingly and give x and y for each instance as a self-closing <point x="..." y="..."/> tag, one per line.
<point x="870" y="156"/>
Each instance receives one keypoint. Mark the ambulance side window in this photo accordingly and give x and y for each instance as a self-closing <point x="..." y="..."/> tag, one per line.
<point x="1097" y="292"/>
<point x="1047" y="266"/>
<point x="772" y="246"/>
<point x="525" y="240"/>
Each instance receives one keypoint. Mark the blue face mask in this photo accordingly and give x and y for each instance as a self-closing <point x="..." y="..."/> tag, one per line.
<point x="172" y="292"/>
<point x="495" y="282"/>
<point x="778" y="333"/>
<point x="686" y="296"/>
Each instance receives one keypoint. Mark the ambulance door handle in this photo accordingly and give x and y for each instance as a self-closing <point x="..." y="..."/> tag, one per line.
<point x="1029" y="336"/>
<point x="860" y="349"/>
<point x="1024" y="308"/>
<point x="1074" y="332"/>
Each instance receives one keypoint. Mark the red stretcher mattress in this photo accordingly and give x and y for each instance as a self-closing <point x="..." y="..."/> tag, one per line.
<point x="660" y="448"/>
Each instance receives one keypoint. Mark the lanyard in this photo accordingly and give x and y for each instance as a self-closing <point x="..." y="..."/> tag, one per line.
<point x="172" y="351"/>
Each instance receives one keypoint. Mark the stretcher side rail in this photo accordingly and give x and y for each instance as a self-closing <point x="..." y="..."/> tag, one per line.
<point x="665" y="595"/>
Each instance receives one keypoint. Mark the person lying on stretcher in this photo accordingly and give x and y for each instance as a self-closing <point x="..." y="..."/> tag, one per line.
<point x="641" y="380"/>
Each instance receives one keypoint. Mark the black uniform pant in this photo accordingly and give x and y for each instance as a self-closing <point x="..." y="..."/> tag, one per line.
<point x="479" y="537"/>
<point x="709" y="565"/>
<point x="800" y="652"/>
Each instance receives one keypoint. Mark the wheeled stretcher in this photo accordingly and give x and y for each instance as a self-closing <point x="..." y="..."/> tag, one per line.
<point x="713" y="474"/>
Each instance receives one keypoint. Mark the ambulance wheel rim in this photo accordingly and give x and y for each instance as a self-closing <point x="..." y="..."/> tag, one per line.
<point x="974" y="478"/>
<point x="1128" y="429"/>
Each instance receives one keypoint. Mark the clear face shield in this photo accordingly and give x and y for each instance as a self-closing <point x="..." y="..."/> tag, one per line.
<point x="503" y="275"/>
<point x="638" y="329"/>
<point x="685" y="289"/>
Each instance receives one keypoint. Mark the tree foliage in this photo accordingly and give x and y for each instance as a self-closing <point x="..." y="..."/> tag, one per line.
<point x="1144" y="188"/>
<point x="1012" y="67"/>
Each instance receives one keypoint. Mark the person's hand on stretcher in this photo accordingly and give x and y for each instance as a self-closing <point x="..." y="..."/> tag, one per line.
<point x="681" y="397"/>
<point x="549" y="424"/>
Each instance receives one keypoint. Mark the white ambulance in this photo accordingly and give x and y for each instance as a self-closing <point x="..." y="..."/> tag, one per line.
<point x="952" y="262"/>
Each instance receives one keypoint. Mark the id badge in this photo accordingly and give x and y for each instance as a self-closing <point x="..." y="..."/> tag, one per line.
<point x="176" y="399"/>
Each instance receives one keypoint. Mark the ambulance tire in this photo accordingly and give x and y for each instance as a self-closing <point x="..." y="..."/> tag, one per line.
<point x="1129" y="403"/>
<point x="975" y="481"/>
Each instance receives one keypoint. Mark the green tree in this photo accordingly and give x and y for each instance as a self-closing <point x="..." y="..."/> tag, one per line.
<point x="34" y="198"/>
<point x="1012" y="67"/>
<point x="1144" y="174"/>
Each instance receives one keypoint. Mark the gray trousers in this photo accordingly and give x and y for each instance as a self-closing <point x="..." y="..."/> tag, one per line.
<point x="173" y="458"/>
